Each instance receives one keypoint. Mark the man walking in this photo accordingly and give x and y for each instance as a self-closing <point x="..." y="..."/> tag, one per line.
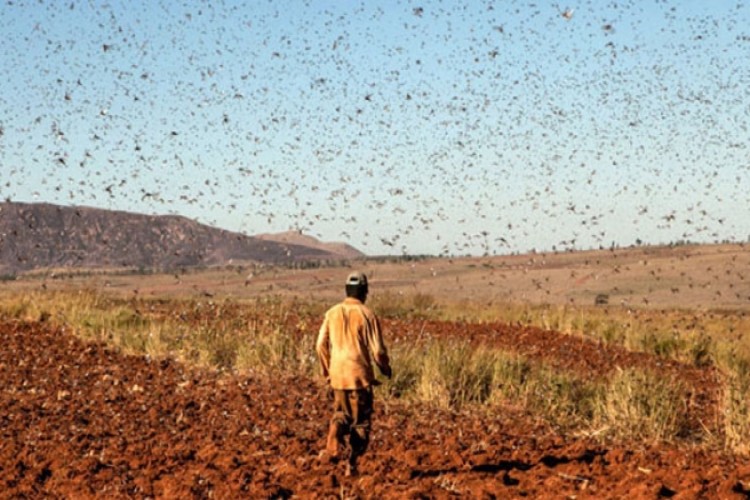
<point x="349" y="339"/>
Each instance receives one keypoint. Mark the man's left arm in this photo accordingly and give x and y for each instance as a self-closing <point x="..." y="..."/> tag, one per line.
<point x="322" y="346"/>
<point x="377" y="346"/>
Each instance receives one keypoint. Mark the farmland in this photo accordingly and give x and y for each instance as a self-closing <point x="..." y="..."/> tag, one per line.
<point x="508" y="380"/>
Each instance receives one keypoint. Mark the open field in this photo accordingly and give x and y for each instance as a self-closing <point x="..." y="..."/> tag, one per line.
<point x="690" y="276"/>
<point x="508" y="380"/>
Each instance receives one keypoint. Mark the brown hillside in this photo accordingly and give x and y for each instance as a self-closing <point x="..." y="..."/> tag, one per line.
<point x="297" y="238"/>
<point x="41" y="235"/>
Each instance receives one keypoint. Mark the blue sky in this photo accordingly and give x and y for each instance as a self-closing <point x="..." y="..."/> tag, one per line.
<point x="398" y="127"/>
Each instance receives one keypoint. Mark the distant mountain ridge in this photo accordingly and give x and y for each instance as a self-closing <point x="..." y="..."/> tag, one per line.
<point x="297" y="238"/>
<point x="42" y="235"/>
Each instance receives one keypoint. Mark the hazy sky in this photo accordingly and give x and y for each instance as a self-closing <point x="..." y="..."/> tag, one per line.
<point x="398" y="127"/>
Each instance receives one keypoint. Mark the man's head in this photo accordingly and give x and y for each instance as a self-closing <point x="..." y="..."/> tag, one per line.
<point x="356" y="286"/>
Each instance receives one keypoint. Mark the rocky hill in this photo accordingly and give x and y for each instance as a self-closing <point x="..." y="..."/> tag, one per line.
<point x="41" y="235"/>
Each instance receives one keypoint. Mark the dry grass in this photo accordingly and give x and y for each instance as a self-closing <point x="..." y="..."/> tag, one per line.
<point x="260" y="336"/>
<point x="632" y="405"/>
<point x="638" y="405"/>
<point x="454" y="374"/>
<point x="736" y="414"/>
<point x="692" y="337"/>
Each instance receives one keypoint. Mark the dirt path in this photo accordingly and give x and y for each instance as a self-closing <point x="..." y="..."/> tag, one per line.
<point x="78" y="420"/>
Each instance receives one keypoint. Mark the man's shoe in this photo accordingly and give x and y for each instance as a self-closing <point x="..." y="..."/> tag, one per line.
<point x="326" y="457"/>
<point x="333" y="441"/>
<point x="351" y="470"/>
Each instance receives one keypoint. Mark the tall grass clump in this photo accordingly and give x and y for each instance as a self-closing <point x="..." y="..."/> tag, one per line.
<point x="264" y="337"/>
<point x="736" y="414"/>
<point x="640" y="405"/>
<point x="560" y="398"/>
<point x="563" y="399"/>
<point x="735" y="399"/>
<point x="455" y="374"/>
<point x="276" y="351"/>
<point x="407" y="360"/>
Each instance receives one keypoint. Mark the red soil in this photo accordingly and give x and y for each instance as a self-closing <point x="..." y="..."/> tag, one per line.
<point x="79" y="420"/>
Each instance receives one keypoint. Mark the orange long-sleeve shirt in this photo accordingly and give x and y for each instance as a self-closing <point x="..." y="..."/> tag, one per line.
<point x="349" y="335"/>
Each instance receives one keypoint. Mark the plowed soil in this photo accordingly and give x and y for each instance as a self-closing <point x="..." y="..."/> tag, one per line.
<point x="80" y="420"/>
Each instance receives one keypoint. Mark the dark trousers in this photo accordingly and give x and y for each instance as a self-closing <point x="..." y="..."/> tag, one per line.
<point x="352" y="413"/>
